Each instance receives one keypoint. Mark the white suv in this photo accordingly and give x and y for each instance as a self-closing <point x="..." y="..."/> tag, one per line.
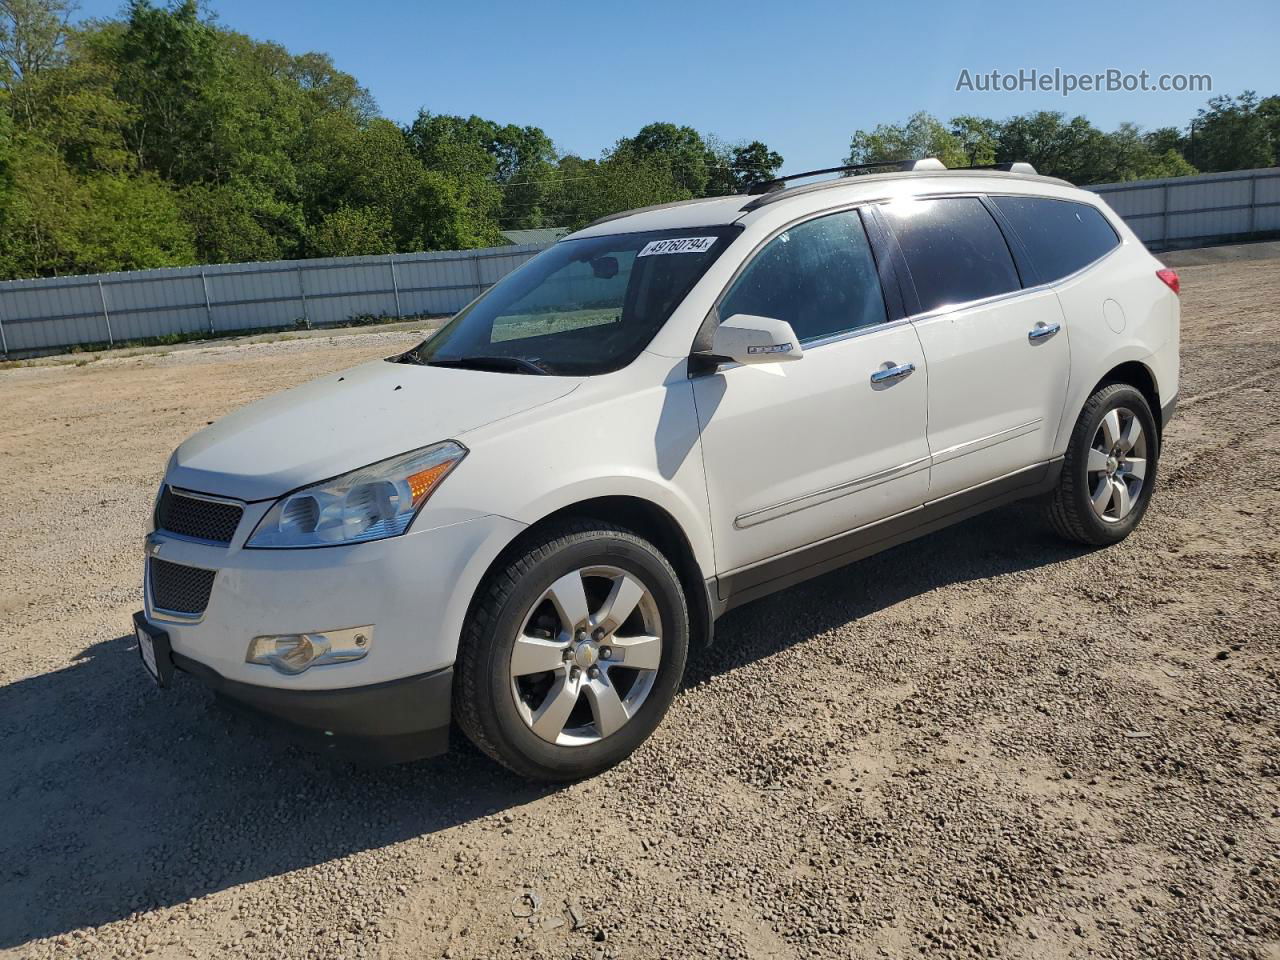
<point x="524" y="522"/>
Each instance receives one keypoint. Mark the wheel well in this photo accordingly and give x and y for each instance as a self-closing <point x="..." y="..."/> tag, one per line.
<point x="1136" y="375"/>
<point x="648" y="520"/>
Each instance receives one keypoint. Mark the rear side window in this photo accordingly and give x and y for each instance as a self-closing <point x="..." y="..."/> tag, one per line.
<point x="1060" y="235"/>
<point x="819" y="276"/>
<point x="954" y="250"/>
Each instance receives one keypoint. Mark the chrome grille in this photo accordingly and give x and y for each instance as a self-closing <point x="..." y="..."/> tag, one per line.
<point x="179" y="589"/>
<point x="191" y="516"/>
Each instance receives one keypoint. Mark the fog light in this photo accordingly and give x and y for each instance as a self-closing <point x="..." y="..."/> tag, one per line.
<point x="292" y="653"/>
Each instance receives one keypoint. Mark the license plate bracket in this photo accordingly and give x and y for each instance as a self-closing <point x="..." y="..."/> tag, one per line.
<point x="154" y="650"/>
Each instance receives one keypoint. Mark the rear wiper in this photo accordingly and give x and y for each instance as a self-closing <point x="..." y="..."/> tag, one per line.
<point x="516" y="364"/>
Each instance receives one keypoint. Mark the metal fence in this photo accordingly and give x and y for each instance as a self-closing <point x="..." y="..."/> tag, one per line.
<point x="1187" y="211"/>
<point x="37" y="316"/>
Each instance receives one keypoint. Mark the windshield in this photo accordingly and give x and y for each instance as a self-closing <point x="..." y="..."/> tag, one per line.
<point x="582" y="307"/>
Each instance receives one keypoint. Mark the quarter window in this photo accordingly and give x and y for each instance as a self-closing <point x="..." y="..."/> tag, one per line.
<point x="1060" y="235"/>
<point x="819" y="276"/>
<point x="954" y="250"/>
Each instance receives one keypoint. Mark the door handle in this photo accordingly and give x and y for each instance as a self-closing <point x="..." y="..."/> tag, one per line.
<point x="892" y="373"/>
<point x="1042" y="330"/>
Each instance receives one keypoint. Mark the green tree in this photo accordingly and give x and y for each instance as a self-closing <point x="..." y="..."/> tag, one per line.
<point x="1233" y="133"/>
<point x="1269" y="110"/>
<point x="32" y="36"/>
<point x="738" y="167"/>
<point x="979" y="138"/>
<point x="353" y="232"/>
<point x="241" y="221"/>
<point x="130" y="223"/>
<point x="1073" y="149"/>
<point x="1128" y="155"/>
<point x="503" y="168"/>
<point x="921" y="136"/>
<point x="681" y="149"/>
<point x="589" y="189"/>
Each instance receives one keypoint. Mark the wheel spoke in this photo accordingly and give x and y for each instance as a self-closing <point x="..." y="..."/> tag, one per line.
<point x="607" y="708"/>
<point x="554" y="712"/>
<point x="1136" y="469"/>
<point x="638" y="653"/>
<point x="1102" y="496"/>
<point x="1122" y="500"/>
<point x="623" y="598"/>
<point x="1132" y="434"/>
<point x="570" y="599"/>
<point x="1097" y="460"/>
<point x="1111" y="428"/>
<point x="535" y="655"/>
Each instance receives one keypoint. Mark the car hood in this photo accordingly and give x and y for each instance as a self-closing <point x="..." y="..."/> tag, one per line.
<point x="347" y="420"/>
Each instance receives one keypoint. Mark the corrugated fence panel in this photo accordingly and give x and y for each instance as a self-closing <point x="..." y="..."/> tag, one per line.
<point x="1179" y="210"/>
<point x="1266" y="208"/>
<point x="160" y="306"/>
<point x="110" y="307"/>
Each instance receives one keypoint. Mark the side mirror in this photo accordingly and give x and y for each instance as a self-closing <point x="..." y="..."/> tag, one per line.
<point x="744" y="338"/>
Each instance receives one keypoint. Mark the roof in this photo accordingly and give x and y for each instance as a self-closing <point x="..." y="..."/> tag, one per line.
<point x="539" y="236"/>
<point x="716" y="211"/>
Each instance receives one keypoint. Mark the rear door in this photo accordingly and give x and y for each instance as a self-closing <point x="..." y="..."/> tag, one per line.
<point x="802" y="451"/>
<point x="998" y="356"/>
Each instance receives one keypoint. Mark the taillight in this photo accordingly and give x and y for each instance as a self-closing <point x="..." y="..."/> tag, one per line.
<point x="1170" y="278"/>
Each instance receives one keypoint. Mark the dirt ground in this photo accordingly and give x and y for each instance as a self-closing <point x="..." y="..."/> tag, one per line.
<point x="984" y="744"/>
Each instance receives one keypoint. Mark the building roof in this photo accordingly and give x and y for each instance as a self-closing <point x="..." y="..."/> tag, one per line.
<point x="542" y="235"/>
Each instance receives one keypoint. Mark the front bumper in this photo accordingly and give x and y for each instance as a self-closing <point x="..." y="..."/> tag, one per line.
<point x="412" y="591"/>
<point x="392" y="722"/>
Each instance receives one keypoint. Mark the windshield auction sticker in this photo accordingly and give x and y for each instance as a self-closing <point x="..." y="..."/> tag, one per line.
<point x="678" y="245"/>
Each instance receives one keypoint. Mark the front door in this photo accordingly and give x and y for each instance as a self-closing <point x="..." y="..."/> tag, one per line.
<point x="799" y="452"/>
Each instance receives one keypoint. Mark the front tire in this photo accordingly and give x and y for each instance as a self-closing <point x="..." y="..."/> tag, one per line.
<point x="1109" y="472"/>
<point x="573" y="651"/>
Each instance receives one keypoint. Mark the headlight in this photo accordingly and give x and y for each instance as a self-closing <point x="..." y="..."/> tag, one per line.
<point x="371" y="503"/>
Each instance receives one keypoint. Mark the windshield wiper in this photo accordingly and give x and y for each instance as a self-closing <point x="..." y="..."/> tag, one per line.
<point x="513" y="364"/>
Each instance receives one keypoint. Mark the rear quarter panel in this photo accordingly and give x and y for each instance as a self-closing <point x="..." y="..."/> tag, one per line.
<point x="1118" y="310"/>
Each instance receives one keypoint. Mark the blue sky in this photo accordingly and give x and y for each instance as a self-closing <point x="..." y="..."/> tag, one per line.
<point x="801" y="75"/>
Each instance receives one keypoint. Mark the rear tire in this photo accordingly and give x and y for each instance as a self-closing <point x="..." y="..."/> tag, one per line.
<point x="1109" y="472"/>
<point x="573" y="651"/>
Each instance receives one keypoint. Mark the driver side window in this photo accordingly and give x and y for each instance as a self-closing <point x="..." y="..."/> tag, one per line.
<point x="819" y="276"/>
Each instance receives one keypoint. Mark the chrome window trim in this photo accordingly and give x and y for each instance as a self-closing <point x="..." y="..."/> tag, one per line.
<point x="826" y="495"/>
<point x="1010" y="294"/>
<point x="926" y="314"/>
<point x="986" y="301"/>
<point x="855" y="332"/>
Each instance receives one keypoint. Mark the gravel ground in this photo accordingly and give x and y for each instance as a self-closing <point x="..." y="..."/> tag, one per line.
<point x="985" y="743"/>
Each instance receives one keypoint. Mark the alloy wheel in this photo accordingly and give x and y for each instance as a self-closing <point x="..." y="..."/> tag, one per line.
<point x="586" y="656"/>
<point x="1117" y="465"/>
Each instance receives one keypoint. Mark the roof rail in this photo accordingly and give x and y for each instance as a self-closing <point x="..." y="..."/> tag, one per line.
<point x="1018" y="166"/>
<point x="777" y="183"/>
<point x="774" y="189"/>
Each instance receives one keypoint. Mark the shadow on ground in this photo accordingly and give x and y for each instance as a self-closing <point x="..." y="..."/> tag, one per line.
<point x="118" y="797"/>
